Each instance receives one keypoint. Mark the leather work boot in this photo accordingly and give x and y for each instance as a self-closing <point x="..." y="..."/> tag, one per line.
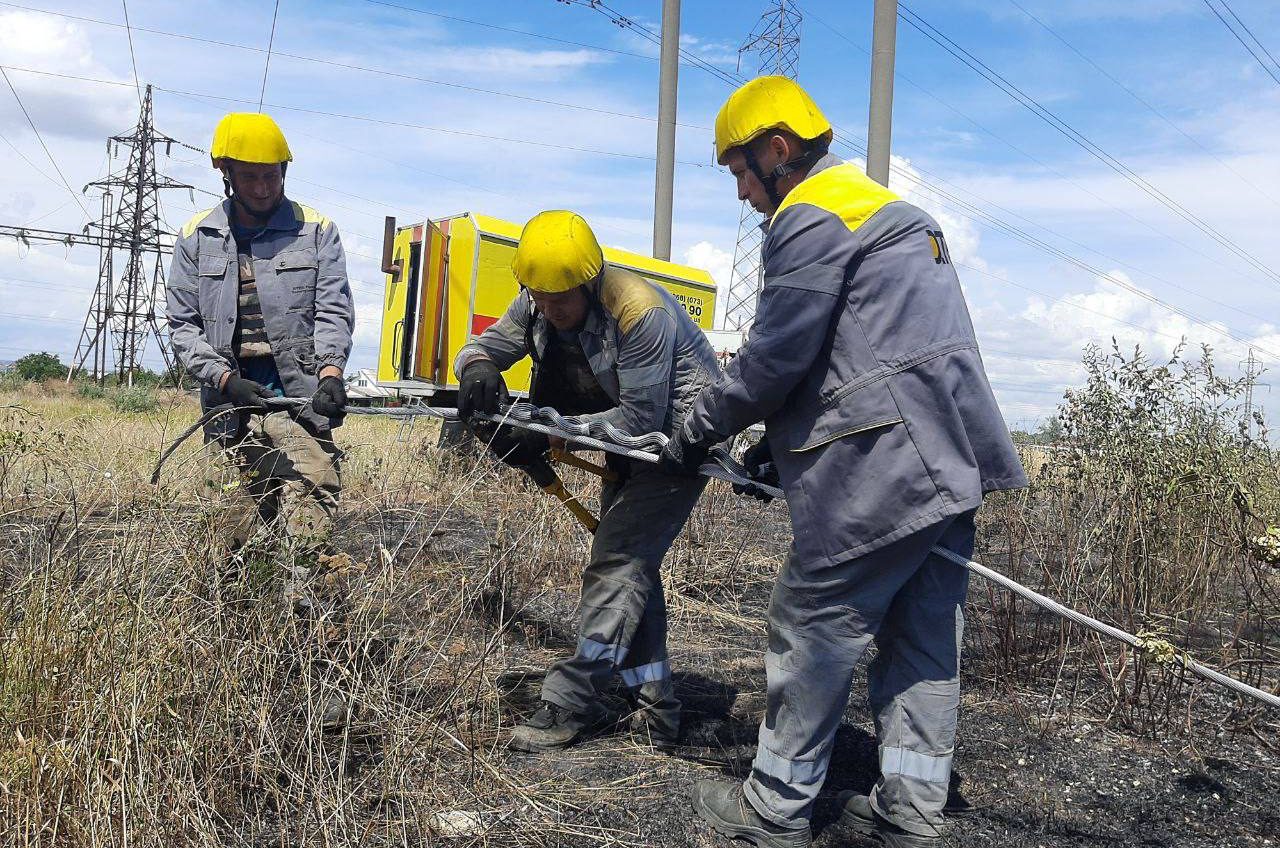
<point x="858" y="815"/>
<point x="553" y="727"/>
<point x="723" y="806"/>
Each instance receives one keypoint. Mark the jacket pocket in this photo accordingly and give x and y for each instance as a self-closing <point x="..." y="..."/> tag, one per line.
<point x="210" y="273"/>
<point x="865" y="408"/>
<point x="296" y="272"/>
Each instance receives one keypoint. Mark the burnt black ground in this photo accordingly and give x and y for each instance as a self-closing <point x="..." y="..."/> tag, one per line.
<point x="1081" y="784"/>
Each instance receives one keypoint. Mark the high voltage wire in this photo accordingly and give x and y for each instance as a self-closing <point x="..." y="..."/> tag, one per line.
<point x="621" y="20"/>
<point x="1004" y="227"/>
<point x="266" y="67"/>
<point x="39" y="138"/>
<point x="363" y="118"/>
<point x="1032" y="158"/>
<point x="1142" y="100"/>
<point x="133" y="59"/>
<point x="1076" y="137"/>
<point x="352" y="67"/>
<point x="486" y="25"/>
<point x="1240" y="38"/>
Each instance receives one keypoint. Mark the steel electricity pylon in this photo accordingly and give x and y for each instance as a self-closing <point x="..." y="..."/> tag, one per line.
<point x="122" y="315"/>
<point x="775" y="41"/>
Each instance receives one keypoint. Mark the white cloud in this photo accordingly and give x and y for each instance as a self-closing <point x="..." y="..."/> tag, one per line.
<point x="58" y="106"/>
<point x="719" y="264"/>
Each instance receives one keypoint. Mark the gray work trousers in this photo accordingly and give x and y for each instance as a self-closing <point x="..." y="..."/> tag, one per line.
<point x="622" y="617"/>
<point x="821" y="620"/>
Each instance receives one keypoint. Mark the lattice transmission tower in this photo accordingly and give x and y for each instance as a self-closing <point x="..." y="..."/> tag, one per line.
<point x="775" y="42"/>
<point x="122" y="315"/>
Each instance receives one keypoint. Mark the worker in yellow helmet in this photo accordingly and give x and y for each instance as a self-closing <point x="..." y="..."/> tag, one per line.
<point x="609" y="346"/>
<point x="258" y="307"/>
<point x="883" y="429"/>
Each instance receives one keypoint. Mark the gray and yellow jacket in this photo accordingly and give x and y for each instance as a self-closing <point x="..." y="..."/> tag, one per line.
<point x="301" y="274"/>
<point x="863" y="364"/>
<point x="646" y="353"/>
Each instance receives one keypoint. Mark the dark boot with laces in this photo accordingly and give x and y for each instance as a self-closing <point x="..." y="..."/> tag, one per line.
<point x="860" y="816"/>
<point x="723" y="806"/>
<point x="553" y="727"/>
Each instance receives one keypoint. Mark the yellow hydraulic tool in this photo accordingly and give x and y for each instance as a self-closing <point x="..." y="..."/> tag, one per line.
<point x="565" y="458"/>
<point x="549" y="481"/>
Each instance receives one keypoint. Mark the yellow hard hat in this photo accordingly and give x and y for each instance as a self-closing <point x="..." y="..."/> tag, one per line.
<point x="557" y="252"/>
<point x="249" y="137"/>
<point x="768" y="103"/>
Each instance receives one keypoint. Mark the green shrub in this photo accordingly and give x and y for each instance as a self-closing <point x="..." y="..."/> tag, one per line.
<point x="136" y="399"/>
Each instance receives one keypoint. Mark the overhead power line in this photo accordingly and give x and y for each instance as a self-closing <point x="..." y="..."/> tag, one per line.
<point x="133" y="58"/>
<point x="266" y="66"/>
<point x="1271" y="72"/>
<point x="1146" y="104"/>
<point x="513" y="30"/>
<point x="525" y="141"/>
<point x="45" y="147"/>
<point x="1079" y="139"/>
<point x="349" y="66"/>
<point x="968" y="209"/>
<point x="1178" y="243"/>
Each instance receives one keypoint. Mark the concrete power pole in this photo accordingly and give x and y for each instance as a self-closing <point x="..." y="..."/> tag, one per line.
<point x="664" y="184"/>
<point x="884" y="37"/>
<point x="776" y="40"/>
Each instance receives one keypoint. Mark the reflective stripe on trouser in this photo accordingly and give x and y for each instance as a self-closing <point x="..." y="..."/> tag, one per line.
<point x="821" y="620"/>
<point x="622" y="617"/>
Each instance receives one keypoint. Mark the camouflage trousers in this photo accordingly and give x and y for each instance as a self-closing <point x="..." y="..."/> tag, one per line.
<point x="285" y="480"/>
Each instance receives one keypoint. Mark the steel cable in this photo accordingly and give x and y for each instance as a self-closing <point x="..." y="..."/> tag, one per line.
<point x="601" y="435"/>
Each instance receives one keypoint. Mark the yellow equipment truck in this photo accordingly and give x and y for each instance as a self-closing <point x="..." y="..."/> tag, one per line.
<point x="447" y="280"/>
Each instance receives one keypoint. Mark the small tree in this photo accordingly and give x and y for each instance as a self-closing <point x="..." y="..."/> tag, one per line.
<point x="37" y="367"/>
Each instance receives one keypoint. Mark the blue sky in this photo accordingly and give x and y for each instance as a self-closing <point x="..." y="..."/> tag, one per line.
<point x="1198" y="122"/>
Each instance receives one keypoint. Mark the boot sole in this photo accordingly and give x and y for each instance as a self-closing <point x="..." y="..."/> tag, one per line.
<point x="732" y="831"/>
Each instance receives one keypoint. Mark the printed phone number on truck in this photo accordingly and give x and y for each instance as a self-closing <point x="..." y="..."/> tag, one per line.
<point x="692" y="305"/>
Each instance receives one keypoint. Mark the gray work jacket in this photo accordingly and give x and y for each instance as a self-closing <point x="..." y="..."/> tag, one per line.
<point x="643" y="348"/>
<point x="307" y="306"/>
<point x="863" y="364"/>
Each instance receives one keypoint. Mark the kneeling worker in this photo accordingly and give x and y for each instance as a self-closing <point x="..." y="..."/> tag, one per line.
<point x="607" y="345"/>
<point x="862" y="363"/>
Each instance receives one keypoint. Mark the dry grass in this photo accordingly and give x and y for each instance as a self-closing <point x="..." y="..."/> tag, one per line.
<point x="149" y="698"/>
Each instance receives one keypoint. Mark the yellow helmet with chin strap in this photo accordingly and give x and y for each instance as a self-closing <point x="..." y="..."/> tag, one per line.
<point x="249" y="137"/>
<point x="557" y="252"/>
<point x="771" y="103"/>
<point x="768" y="103"/>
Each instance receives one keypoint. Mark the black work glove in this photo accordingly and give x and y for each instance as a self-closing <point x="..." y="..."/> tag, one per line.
<point x="330" y="398"/>
<point x="244" y="394"/>
<point x="481" y="389"/>
<point x="682" y="457"/>
<point x="758" y="462"/>
<point x="515" y="446"/>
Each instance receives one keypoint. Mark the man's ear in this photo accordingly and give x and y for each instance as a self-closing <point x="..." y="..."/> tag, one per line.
<point x="781" y="147"/>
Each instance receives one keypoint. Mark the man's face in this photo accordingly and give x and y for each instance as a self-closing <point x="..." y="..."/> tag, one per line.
<point x="750" y="188"/>
<point x="565" y="310"/>
<point x="259" y="187"/>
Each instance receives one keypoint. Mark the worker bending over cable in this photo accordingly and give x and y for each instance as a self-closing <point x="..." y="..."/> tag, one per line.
<point x="862" y="363"/>
<point x="606" y="345"/>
